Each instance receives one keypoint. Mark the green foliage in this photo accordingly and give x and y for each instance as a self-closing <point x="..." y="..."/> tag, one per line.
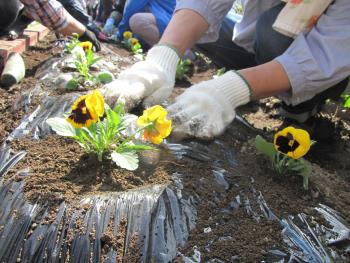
<point x="72" y="43"/>
<point x="182" y="69"/>
<point x="346" y="100"/>
<point x="282" y="164"/>
<point x="202" y="57"/>
<point x="90" y="58"/>
<point x="105" y="77"/>
<point x="219" y="72"/>
<point x="105" y="136"/>
<point x="135" y="49"/>
<point x="83" y="61"/>
<point x="82" y="66"/>
<point x="72" y="84"/>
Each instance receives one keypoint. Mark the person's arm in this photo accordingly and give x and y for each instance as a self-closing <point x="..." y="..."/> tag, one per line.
<point x="266" y="80"/>
<point x="195" y="21"/>
<point x="319" y="59"/>
<point x="72" y="26"/>
<point x="313" y="63"/>
<point x="53" y="15"/>
<point x="184" y="29"/>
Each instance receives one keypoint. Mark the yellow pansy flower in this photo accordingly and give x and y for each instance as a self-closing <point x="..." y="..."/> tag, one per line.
<point x="133" y="41"/>
<point x="157" y="126"/>
<point x="127" y="35"/>
<point x="87" y="110"/>
<point x="87" y="45"/>
<point x="293" y="142"/>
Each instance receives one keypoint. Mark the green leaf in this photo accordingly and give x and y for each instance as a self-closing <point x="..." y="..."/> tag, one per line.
<point x="119" y="109"/>
<point x="113" y="118"/>
<point x="347" y="103"/>
<point x="305" y="173"/>
<point x="126" y="160"/>
<point x="138" y="147"/>
<point x="265" y="147"/>
<point x="72" y="84"/>
<point x="105" y="77"/>
<point x="61" y="127"/>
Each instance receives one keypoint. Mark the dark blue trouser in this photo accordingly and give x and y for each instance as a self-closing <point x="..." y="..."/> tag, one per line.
<point x="76" y="10"/>
<point x="269" y="44"/>
<point x="10" y="11"/>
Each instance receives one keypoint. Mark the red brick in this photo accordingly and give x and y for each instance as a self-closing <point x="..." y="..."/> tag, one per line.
<point x="30" y="37"/>
<point x="40" y="29"/>
<point x="6" y="47"/>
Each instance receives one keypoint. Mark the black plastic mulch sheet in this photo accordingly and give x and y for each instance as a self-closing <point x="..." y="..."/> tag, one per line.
<point x="160" y="217"/>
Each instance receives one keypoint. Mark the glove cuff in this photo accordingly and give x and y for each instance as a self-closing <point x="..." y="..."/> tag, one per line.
<point x="234" y="88"/>
<point x="165" y="58"/>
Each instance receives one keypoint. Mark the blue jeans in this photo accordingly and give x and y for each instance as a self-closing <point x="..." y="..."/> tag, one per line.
<point x="269" y="44"/>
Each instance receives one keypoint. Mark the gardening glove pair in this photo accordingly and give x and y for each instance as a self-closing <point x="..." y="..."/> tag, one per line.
<point x="150" y="81"/>
<point x="90" y="36"/>
<point x="206" y="109"/>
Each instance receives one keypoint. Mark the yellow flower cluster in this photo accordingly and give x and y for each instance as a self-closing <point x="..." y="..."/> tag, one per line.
<point x="86" y="110"/>
<point x="157" y="126"/>
<point x="293" y="142"/>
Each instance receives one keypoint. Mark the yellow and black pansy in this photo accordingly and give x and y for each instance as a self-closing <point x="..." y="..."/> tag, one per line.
<point x="293" y="142"/>
<point x="87" y="110"/>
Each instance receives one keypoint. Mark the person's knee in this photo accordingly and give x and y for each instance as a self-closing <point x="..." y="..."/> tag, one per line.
<point x="137" y="23"/>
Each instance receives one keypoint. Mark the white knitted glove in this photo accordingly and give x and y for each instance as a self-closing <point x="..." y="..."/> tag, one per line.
<point x="150" y="81"/>
<point x="206" y="109"/>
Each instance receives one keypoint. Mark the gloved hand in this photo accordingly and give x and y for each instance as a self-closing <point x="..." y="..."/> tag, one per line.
<point x="90" y="36"/>
<point x="206" y="109"/>
<point x="150" y="81"/>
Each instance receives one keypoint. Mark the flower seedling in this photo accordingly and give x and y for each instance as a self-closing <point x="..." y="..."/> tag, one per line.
<point x="132" y="43"/>
<point x="83" y="60"/>
<point x="103" y="131"/>
<point x="286" y="152"/>
<point x="70" y="45"/>
<point x="182" y="69"/>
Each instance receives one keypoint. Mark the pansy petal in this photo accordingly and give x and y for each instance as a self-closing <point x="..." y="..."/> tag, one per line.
<point x="163" y="127"/>
<point x="78" y="101"/>
<point x="95" y="105"/>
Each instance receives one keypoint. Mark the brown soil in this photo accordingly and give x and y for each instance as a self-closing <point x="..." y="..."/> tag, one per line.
<point x="67" y="173"/>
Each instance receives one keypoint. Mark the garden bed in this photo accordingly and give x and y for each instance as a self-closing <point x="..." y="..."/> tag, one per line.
<point x="219" y="199"/>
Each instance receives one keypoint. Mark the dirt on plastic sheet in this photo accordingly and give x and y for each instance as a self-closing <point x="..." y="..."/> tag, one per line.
<point x="60" y="170"/>
<point x="33" y="59"/>
<point x="230" y="234"/>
